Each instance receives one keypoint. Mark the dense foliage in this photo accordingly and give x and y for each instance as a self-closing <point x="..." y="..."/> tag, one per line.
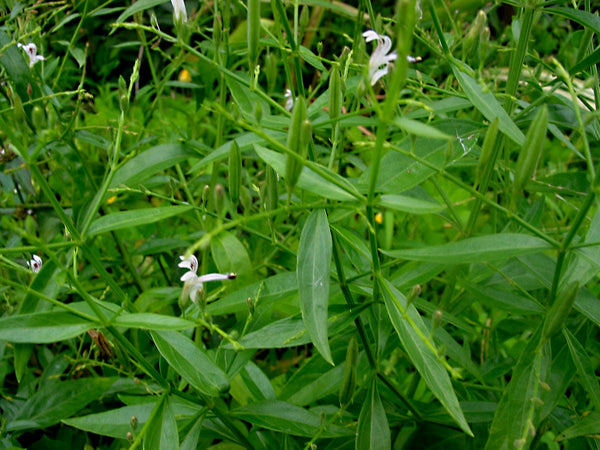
<point x="257" y="224"/>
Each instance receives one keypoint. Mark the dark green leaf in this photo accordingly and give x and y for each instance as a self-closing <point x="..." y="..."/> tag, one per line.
<point x="314" y="260"/>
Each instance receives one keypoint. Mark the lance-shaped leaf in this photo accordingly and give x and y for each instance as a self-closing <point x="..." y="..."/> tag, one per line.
<point x="413" y="334"/>
<point x="314" y="260"/>
<point x="190" y="362"/>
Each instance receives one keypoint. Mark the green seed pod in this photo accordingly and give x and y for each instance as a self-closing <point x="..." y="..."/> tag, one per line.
<point x="235" y="172"/>
<point x="272" y="192"/>
<point x="253" y="29"/>
<point x="270" y="70"/>
<point x="559" y="311"/>
<point x="335" y="93"/>
<point x="304" y="17"/>
<point x="217" y="29"/>
<point x="38" y="118"/>
<point x="219" y="198"/>
<point x="295" y="142"/>
<point x="349" y="383"/>
<point x="532" y="149"/>
<point x="486" y="152"/>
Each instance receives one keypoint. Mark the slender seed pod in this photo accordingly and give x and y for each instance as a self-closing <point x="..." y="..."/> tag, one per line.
<point x="559" y="311"/>
<point x="296" y="142"/>
<point x="253" y="32"/>
<point x="532" y="149"/>
<point x="272" y="189"/>
<point x="335" y="93"/>
<point x="486" y="152"/>
<point x="350" y="376"/>
<point x="235" y="173"/>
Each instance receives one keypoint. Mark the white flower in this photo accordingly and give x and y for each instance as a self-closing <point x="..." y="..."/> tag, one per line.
<point x="31" y="50"/>
<point x="179" y="10"/>
<point x="35" y="264"/>
<point x="192" y="282"/>
<point x="381" y="57"/>
<point x="289" y="100"/>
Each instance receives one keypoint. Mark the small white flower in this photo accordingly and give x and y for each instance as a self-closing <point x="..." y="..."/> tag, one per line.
<point x="193" y="283"/>
<point x="381" y="57"/>
<point x="179" y="10"/>
<point x="35" y="264"/>
<point x="289" y="100"/>
<point x="31" y="50"/>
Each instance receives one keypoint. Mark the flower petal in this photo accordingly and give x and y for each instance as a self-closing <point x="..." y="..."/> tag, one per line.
<point x="370" y="35"/>
<point x="216" y="277"/>
<point x="188" y="276"/>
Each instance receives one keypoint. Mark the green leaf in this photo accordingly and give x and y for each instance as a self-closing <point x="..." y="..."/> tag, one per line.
<point x="515" y="414"/>
<point x="140" y="5"/>
<point x="487" y="104"/>
<point x="134" y="218"/>
<point x="418" y="128"/>
<point x="311" y="58"/>
<point x="409" y="204"/>
<point x="149" y="162"/>
<point x="587" y="426"/>
<point x="56" y="401"/>
<point x="151" y="321"/>
<point x="190" y="362"/>
<point x="584" y="18"/>
<point x="229" y="254"/>
<point x="308" y="180"/>
<point x="287" y="418"/>
<point x="505" y="300"/>
<point x="426" y="360"/>
<point x="115" y="422"/>
<point x="43" y="328"/>
<point x="477" y="249"/>
<point x="275" y="288"/>
<point x="373" y="429"/>
<point x="314" y="260"/>
<point x="162" y="429"/>
<point x="585" y="369"/>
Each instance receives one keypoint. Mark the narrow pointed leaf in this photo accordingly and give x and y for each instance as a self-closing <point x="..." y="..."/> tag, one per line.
<point x="134" y="218"/>
<point x="373" y="428"/>
<point x="314" y="260"/>
<point x="422" y="355"/>
<point x="287" y="418"/>
<point x="162" y="430"/>
<point x="477" y="249"/>
<point x="190" y="362"/>
<point x="43" y="328"/>
<point x="487" y="104"/>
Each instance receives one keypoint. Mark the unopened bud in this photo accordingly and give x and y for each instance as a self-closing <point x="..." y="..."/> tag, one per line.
<point x="133" y="422"/>
<point x="437" y="319"/>
<point x="415" y="292"/>
<point x="250" y="304"/>
<point x="219" y="198"/>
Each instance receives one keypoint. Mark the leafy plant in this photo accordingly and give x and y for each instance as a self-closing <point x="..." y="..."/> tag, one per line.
<point x="399" y="252"/>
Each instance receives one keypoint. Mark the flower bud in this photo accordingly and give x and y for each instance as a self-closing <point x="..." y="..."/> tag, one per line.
<point x="298" y="138"/>
<point x="272" y="192"/>
<point x="219" y="199"/>
<point x="415" y="292"/>
<point x="335" y="93"/>
<point x="133" y="422"/>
